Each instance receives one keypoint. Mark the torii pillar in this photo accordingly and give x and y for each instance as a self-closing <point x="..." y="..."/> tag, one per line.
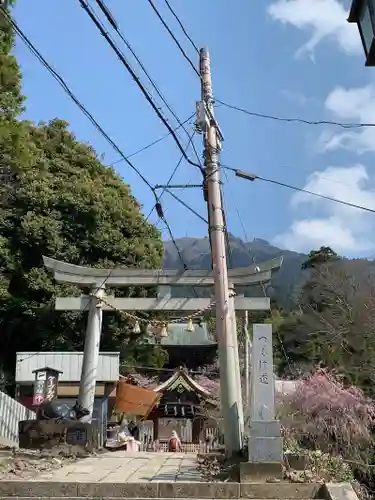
<point x="90" y="361"/>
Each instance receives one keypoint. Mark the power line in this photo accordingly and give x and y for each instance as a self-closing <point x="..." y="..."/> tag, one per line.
<point x="237" y="108"/>
<point x="200" y="217"/>
<point x="113" y="22"/>
<point x="172" y="174"/>
<point x="65" y="87"/>
<point x="151" y="143"/>
<point x="111" y="19"/>
<point x="296" y="120"/>
<point x="253" y="177"/>
<point x="140" y="85"/>
<point x="63" y="84"/>
<point x="252" y="256"/>
<point x="174" y="38"/>
<point x="181" y="26"/>
<point x="182" y="187"/>
<point x="289" y="167"/>
<point x="226" y="234"/>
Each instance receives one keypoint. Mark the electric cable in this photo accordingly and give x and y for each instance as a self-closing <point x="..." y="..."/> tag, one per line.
<point x="289" y="167"/>
<point x="173" y="173"/>
<point x="296" y="120"/>
<point x="252" y="257"/>
<point x="200" y="217"/>
<point x="181" y="26"/>
<point x="226" y="234"/>
<point x="140" y="85"/>
<point x="63" y="84"/>
<point x="182" y="187"/>
<point x="253" y="177"/>
<point x="65" y="87"/>
<point x="174" y="38"/>
<point x="111" y="19"/>
<point x="153" y="143"/>
<point x="237" y="108"/>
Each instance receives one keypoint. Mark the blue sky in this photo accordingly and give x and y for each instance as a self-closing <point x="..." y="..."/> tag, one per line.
<point x="283" y="57"/>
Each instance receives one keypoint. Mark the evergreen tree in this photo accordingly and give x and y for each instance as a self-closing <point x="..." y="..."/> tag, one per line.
<point x="63" y="203"/>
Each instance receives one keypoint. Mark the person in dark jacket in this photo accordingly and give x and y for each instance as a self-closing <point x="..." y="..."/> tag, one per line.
<point x="134" y="430"/>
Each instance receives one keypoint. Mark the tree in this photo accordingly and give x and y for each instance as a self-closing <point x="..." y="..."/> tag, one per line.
<point x="297" y="339"/>
<point x="327" y="415"/>
<point x="63" y="203"/>
<point x="317" y="257"/>
<point x="11" y="99"/>
<point x="341" y="332"/>
<point x="335" y="322"/>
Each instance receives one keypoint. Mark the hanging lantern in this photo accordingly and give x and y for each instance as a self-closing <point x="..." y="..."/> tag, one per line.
<point x="190" y="326"/>
<point x="163" y="331"/>
<point x="136" y="327"/>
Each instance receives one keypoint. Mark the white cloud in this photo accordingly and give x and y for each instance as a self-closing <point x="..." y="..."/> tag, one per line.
<point x="351" y="105"/>
<point x="324" y="19"/>
<point x="347" y="230"/>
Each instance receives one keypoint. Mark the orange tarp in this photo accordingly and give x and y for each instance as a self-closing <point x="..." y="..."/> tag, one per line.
<point x="135" y="400"/>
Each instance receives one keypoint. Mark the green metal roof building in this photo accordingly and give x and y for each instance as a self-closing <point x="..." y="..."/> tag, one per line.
<point x="186" y="348"/>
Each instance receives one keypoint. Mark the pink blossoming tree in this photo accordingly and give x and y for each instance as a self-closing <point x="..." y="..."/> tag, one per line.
<point x="324" y="414"/>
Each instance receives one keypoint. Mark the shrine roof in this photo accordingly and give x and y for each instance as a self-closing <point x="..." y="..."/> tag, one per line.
<point x="182" y="378"/>
<point x="178" y="335"/>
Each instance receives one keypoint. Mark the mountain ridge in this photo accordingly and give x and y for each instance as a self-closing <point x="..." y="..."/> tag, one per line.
<point x="195" y="253"/>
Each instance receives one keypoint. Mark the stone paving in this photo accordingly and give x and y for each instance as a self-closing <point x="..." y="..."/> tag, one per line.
<point x="129" y="467"/>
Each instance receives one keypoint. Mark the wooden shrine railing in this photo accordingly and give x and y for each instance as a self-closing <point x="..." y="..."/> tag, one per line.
<point x="186" y="447"/>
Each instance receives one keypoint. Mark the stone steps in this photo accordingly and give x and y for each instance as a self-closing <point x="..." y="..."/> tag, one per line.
<point x="43" y="490"/>
<point x="166" y="490"/>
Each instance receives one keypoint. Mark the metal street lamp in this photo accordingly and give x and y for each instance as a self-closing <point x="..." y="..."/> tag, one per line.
<point x="362" y="12"/>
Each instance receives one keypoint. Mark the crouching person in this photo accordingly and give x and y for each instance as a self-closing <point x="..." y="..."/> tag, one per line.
<point x="174" y="444"/>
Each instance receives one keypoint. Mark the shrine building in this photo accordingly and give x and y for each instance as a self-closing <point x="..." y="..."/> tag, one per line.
<point x="182" y="407"/>
<point x="181" y="397"/>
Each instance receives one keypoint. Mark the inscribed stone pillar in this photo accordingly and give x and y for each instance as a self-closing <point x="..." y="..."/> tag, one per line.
<point x="265" y="442"/>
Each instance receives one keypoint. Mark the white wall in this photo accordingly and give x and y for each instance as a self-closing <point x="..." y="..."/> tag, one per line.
<point x="11" y="412"/>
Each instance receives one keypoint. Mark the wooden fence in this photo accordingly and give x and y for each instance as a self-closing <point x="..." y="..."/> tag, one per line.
<point x="11" y="412"/>
<point x="163" y="447"/>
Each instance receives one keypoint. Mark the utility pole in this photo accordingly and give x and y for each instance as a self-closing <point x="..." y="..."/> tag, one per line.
<point x="224" y="325"/>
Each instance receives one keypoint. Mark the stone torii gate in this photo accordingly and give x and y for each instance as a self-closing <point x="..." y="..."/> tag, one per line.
<point x="164" y="280"/>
